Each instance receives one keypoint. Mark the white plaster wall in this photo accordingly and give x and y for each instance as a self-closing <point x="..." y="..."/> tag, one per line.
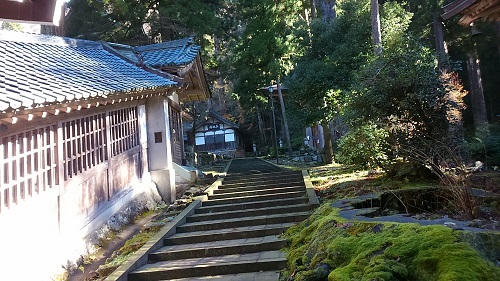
<point x="155" y="120"/>
<point x="159" y="154"/>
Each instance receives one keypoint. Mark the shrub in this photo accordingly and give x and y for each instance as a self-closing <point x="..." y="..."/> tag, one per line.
<point x="487" y="147"/>
<point x="366" y="146"/>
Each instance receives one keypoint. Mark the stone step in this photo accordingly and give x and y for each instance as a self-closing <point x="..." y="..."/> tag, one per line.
<point x="240" y="222"/>
<point x="270" y="190"/>
<point x="249" y="212"/>
<point x="251" y="205"/>
<point x="223" y="188"/>
<point x="284" y="178"/>
<point x="220" y="265"/>
<point x="226" y="234"/>
<point x="262" y="177"/>
<point x="273" y="177"/>
<point x="250" y="276"/>
<point x="218" y="248"/>
<point x="243" y="199"/>
<point x="252" y="173"/>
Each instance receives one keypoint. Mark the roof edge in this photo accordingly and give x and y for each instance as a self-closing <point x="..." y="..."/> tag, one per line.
<point x="167" y="44"/>
<point x="24" y="37"/>
<point x="106" y="46"/>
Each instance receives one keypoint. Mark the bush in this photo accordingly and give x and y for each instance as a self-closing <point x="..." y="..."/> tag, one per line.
<point x="487" y="147"/>
<point x="366" y="146"/>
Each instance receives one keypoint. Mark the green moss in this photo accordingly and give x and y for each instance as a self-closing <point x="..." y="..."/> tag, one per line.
<point x="138" y="240"/>
<point x="128" y="249"/>
<point x="380" y="251"/>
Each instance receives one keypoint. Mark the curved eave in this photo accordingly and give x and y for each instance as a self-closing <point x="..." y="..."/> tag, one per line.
<point x="472" y="10"/>
<point x="8" y="110"/>
<point x="197" y="88"/>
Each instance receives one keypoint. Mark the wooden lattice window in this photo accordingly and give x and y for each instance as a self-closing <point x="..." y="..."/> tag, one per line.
<point x="175" y="125"/>
<point x="27" y="165"/>
<point x="84" y="144"/>
<point x="124" y="126"/>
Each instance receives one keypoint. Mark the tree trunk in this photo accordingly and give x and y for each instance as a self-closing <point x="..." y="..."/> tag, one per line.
<point x="222" y="96"/>
<point x="313" y="9"/>
<point x="285" y="122"/>
<point x="261" y="126"/>
<point x="376" y="33"/>
<point x="328" y="142"/>
<point x="478" y="104"/>
<point x="439" y="42"/>
<point x="329" y="13"/>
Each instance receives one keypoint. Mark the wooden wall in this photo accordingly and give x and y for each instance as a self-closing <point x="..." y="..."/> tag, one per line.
<point x="89" y="157"/>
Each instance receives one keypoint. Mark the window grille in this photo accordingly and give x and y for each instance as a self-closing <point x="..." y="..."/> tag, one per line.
<point x="124" y="128"/>
<point x="27" y="165"/>
<point x="84" y="144"/>
<point x="175" y="125"/>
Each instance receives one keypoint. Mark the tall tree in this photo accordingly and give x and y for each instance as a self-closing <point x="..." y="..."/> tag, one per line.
<point x="262" y="47"/>
<point x="476" y="90"/>
<point x="376" y="33"/>
<point x="321" y="76"/>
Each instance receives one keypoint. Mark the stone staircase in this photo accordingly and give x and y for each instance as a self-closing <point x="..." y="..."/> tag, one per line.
<point x="234" y="235"/>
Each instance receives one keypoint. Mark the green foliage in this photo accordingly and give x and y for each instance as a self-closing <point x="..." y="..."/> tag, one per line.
<point x="403" y="89"/>
<point x="381" y="251"/>
<point x="334" y="51"/>
<point x="12" y="26"/>
<point x="486" y="148"/>
<point x="263" y="46"/>
<point x="366" y="146"/>
<point x="139" y="22"/>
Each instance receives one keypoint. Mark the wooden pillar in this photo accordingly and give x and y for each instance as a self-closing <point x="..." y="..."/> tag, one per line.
<point x="285" y="122"/>
<point x="2" y="175"/>
<point x="60" y="159"/>
<point x="497" y="26"/>
<point x="109" y="154"/>
<point x="143" y="140"/>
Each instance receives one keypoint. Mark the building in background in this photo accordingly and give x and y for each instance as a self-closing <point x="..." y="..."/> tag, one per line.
<point x="220" y="136"/>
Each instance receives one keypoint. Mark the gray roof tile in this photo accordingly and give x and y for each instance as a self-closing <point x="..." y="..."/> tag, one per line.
<point x="39" y="69"/>
<point x="173" y="53"/>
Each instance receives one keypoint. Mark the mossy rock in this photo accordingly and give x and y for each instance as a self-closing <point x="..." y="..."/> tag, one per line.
<point x="106" y="270"/>
<point x="382" y="251"/>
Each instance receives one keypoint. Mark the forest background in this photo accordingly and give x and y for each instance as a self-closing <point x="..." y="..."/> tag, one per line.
<point x="388" y="82"/>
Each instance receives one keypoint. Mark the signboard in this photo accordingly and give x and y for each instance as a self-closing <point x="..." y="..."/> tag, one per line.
<point x="213" y="127"/>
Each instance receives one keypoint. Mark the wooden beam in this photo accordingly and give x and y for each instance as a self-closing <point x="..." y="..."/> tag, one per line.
<point x="31" y="114"/>
<point x="455" y="8"/>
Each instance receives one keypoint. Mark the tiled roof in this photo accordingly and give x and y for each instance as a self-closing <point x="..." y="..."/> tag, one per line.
<point x="219" y="117"/>
<point x="173" y="53"/>
<point x="40" y="69"/>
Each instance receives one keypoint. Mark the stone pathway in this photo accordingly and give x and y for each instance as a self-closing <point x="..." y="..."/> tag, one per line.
<point x="234" y="235"/>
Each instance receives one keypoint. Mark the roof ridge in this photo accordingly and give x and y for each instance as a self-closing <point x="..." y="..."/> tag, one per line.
<point x="222" y="118"/>
<point x="183" y="42"/>
<point x="25" y="37"/>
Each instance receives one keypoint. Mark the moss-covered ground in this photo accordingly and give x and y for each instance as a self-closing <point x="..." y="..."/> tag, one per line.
<point x="326" y="247"/>
<point x="127" y="250"/>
